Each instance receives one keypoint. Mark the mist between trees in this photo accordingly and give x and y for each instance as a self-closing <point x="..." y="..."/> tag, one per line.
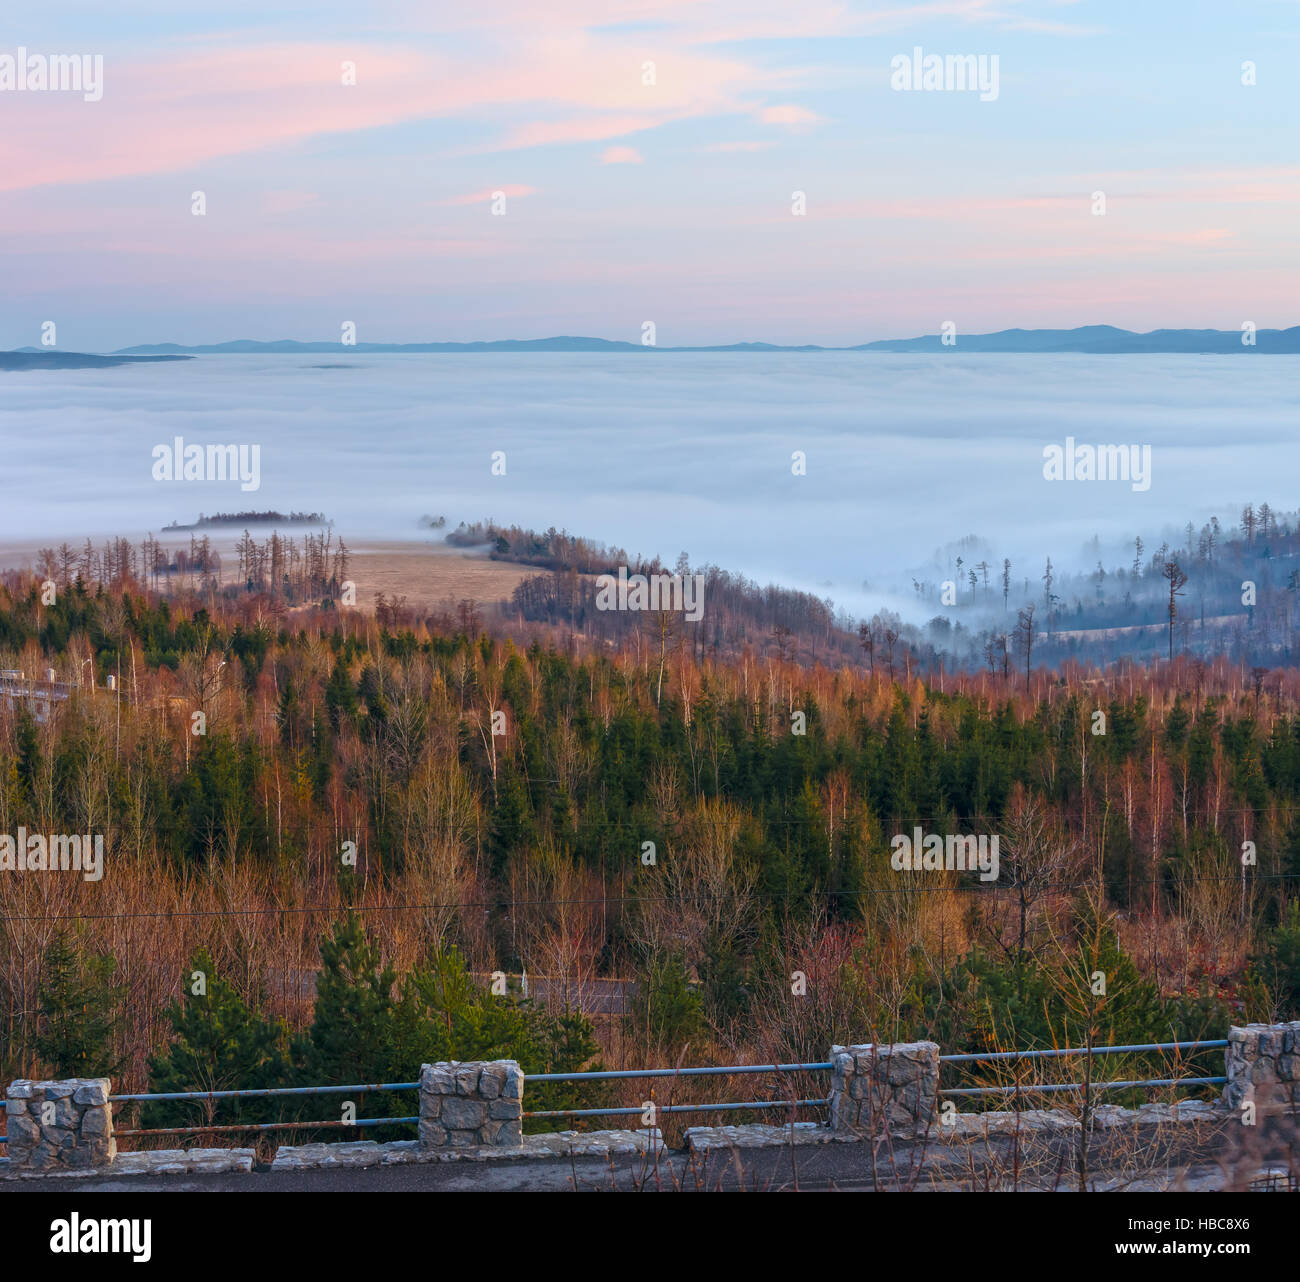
<point x="526" y="849"/>
<point x="1220" y="591"/>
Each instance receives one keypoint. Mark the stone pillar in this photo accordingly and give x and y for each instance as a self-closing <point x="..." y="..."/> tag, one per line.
<point x="877" y="1088"/>
<point x="1263" y="1067"/>
<point x="55" y="1126"/>
<point x="472" y="1105"/>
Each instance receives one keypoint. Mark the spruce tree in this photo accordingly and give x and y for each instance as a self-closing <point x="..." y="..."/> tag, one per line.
<point x="218" y="1043"/>
<point x="77" y="1011"/>
<point x="350" y="1040"/>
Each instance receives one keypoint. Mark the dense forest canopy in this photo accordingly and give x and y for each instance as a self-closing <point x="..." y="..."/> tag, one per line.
<point x="704" y="825"/>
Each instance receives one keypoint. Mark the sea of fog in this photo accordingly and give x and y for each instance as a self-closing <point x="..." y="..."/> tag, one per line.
<point x="662" y="453"/>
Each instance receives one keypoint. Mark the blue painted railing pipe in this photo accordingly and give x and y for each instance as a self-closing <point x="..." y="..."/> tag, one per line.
<point x="991" y="1056"/>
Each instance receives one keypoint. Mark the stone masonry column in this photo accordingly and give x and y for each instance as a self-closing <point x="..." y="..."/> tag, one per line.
<point x="64" y="1125"/>
<point x="1263" y="1067"/>
<point x="472" y="1105"/>
<point x="879" y="1088"/>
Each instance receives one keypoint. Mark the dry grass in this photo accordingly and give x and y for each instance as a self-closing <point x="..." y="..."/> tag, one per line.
<point x="427" y="572"/>
<point x="430" y="575"/>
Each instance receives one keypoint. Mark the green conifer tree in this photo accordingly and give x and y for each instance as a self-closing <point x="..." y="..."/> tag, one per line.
<point x="78" y="1007"/>
<point x="218" y="1043"/>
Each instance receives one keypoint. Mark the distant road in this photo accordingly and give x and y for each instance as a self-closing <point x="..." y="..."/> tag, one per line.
<point x="590" y="996"/>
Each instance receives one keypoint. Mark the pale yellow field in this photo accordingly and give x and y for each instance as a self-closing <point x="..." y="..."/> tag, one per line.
<point x="427" y="576"/>
<point x="428" y="573"/>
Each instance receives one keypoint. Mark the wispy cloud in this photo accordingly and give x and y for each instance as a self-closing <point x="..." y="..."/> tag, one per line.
<point x="737" y="146"/>
<point x="788" y="114"/>
<point x="483" y="197"/>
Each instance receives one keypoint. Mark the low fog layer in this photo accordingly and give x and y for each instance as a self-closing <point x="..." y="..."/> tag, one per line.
<point x="905" y="453"/>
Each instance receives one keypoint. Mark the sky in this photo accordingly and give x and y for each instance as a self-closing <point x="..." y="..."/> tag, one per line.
<point x="649" y="154"/>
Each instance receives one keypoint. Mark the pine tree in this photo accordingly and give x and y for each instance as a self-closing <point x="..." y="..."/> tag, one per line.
<point x="219" y="1043"/>
<point x="29" y="751"/>
<point x="77" y="1008"/>
<point x="666" y="1008"/>
<point x="450" y="1016"/>
<point x="350" y="1039"/>
<point x="341" y="697"/>
<point x="1278" y="963"/>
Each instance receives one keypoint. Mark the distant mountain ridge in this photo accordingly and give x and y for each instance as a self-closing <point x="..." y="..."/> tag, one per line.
<point x="26" y="358"/>
<point x="563" y="343"/>
<point x="1088" y="339"/>
<point x="1102" y="340"/>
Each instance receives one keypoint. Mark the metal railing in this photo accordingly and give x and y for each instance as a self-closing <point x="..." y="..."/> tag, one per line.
<point x="267" y="1092"/>
<point x="1022" y="1088"/>
<point x="1018" y="1088"/>
<point x="626" y="1074"/>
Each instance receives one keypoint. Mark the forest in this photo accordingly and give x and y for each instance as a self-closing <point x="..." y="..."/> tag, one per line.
<point x="341" y="824"/>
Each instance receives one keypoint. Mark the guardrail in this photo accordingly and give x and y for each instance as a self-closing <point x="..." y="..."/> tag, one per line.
<point x="1049" y="1088"/>
<point x="1017" y="1088"/>
<point x="708" y="1071"/>
<point x="267" y="1092"/>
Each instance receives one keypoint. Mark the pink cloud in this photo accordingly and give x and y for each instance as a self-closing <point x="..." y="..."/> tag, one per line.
<point x="788" y="114"/>
<point x="539" y="75"/>
<point x="728" y="21"/>
<point x="482" y="197"/>
<point x="737" y="146"/>
<point x="178" y="114"/>
<point x="175" y="115"/>
<point x="542" y="133"/>
<point x="620" y="156"/>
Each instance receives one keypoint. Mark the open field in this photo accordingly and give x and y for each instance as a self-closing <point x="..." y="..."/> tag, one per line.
<point x="427" y="572"/>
